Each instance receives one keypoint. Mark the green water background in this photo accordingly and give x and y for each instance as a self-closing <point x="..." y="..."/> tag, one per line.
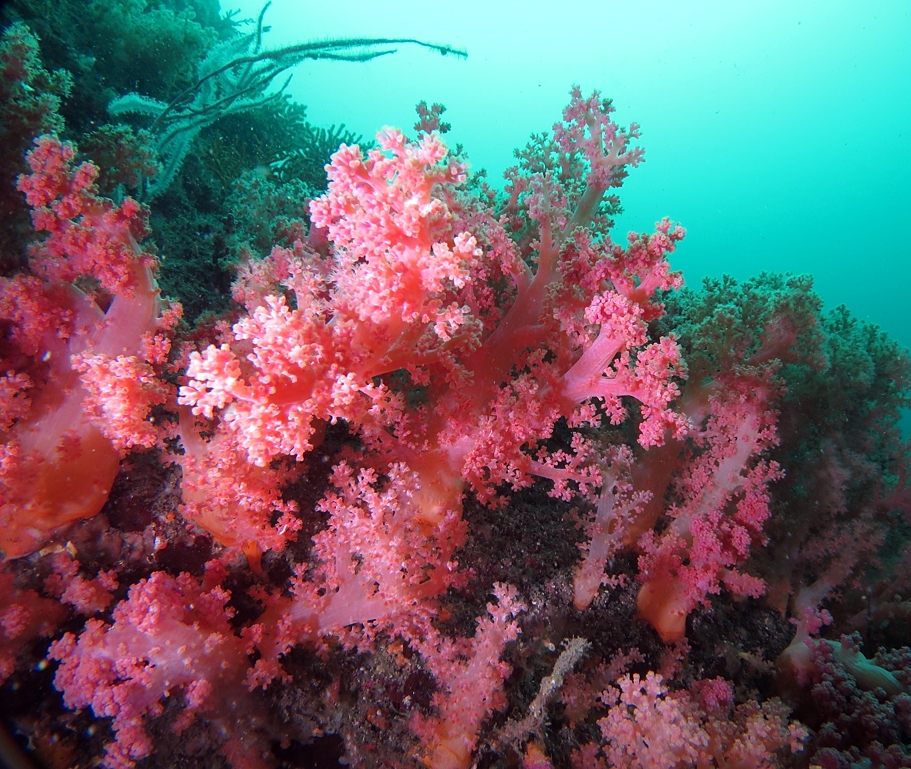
<point x="778" y="133"/>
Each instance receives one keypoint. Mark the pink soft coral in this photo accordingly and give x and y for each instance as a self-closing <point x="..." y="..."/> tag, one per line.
<point x="470" y="676"/>
<point x="79" y="385"/>
<point x="724" y="504"/>
<point x="171" y="633"/>
<point x="649" y="726"/>
<point x="404" y="295"/>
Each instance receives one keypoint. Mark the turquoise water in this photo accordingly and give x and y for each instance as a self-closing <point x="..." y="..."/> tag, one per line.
<point x="778" y="133"/>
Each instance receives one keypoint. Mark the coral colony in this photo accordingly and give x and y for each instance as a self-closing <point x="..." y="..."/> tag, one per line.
<point x="460" y="480"/>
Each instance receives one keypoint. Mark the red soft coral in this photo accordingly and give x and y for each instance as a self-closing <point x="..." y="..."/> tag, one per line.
<point x="64" y="433"/>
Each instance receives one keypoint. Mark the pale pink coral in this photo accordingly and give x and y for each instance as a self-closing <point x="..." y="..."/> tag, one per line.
<point x="649" y="726"/>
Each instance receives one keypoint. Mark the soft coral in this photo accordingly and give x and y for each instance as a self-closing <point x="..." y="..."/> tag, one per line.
<point x="79" y="379"/>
